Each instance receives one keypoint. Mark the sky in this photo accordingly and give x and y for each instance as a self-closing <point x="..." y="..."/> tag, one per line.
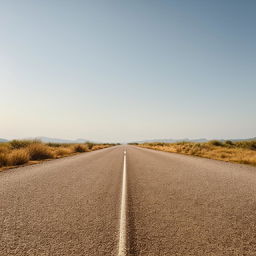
<point x="121" y="71"/>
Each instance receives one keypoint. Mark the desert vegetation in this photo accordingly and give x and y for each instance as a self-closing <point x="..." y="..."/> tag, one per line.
<point x="240" y="152"/>
<point x="21" y="152"/>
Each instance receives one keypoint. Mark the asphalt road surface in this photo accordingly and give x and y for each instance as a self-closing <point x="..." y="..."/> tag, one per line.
<point x="143" y="202"/>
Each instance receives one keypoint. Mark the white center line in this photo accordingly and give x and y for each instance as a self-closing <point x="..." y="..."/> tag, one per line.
<point x="122" y="235"/>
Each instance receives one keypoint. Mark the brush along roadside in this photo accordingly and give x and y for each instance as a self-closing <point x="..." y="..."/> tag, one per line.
<point x="23" y="152"/>
<point x="243" y="152"/>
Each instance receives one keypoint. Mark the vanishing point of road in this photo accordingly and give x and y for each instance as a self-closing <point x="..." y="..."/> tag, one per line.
<point x="126" y="200"/>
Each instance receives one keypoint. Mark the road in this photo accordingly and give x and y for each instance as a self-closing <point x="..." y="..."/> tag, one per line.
<point x="150" y="202"/>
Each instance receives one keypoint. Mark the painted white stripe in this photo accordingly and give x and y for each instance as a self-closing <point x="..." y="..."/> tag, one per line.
<point x="122" y="235"/>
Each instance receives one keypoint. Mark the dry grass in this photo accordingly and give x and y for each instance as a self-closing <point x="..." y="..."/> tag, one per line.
<point x="4" y="148"/>
<point x="16" y="144"/>
<point x="20" y="152"/>
<point x="238" y="152"/>
<point x="62" y="151"/>
<point x="90" y="145"/>
<point x="39" y="151"/>
<point x="101" y="146"/>
<point x="3" y="159"/>
<point x="18" y="157"/>
<point x="80" y="148"/>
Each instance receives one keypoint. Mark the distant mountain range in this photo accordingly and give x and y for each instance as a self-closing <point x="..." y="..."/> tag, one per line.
<point x="54" y="140"/>
<point x="3" y="140"/>
<point x="57" y="140"/>
<point x="254" y="138"/>
<point x="81" y="140"/>
<point x="171" y="140"/>
<point x="187" y="140"/>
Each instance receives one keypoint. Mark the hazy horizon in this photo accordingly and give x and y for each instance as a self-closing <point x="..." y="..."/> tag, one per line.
<point x="52" y="139"/>
<point x="122" y="71"/>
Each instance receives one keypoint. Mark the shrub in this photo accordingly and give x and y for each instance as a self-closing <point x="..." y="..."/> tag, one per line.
<point x="246" y="144"/>
<point x="90" y="145"/>
<point x="4" y="147"/>
<point x="216" y="143"/>
<point x="160" y="144"/>
<point x="252" y="145"/>
<point x="54" y="145"/>
<point x="3" y="159"/>
<point x="229" y="142"/>
<point x="16" y="144"/>
<point x="80" y="148"/>
<point x="98" y="146"/>
<point x="180" y="143"/>
<point x="39" y="151"/>
<point x="61" y="151"/>
<point x="18" y="157"/>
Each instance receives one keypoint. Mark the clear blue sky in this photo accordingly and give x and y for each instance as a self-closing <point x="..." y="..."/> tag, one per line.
<point x="128" y="70"/>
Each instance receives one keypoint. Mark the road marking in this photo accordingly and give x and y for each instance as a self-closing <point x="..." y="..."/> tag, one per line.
<point x="122" y="230"/>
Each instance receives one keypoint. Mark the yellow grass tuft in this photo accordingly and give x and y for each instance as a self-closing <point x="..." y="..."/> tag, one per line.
<point x="4" y="147"/>
<point x="18" y="157"/>
<point x="62" y="151"/>
<point x="38" y="151"/>
<point x="3" y="159"/>
<point x="97" y="147"/>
